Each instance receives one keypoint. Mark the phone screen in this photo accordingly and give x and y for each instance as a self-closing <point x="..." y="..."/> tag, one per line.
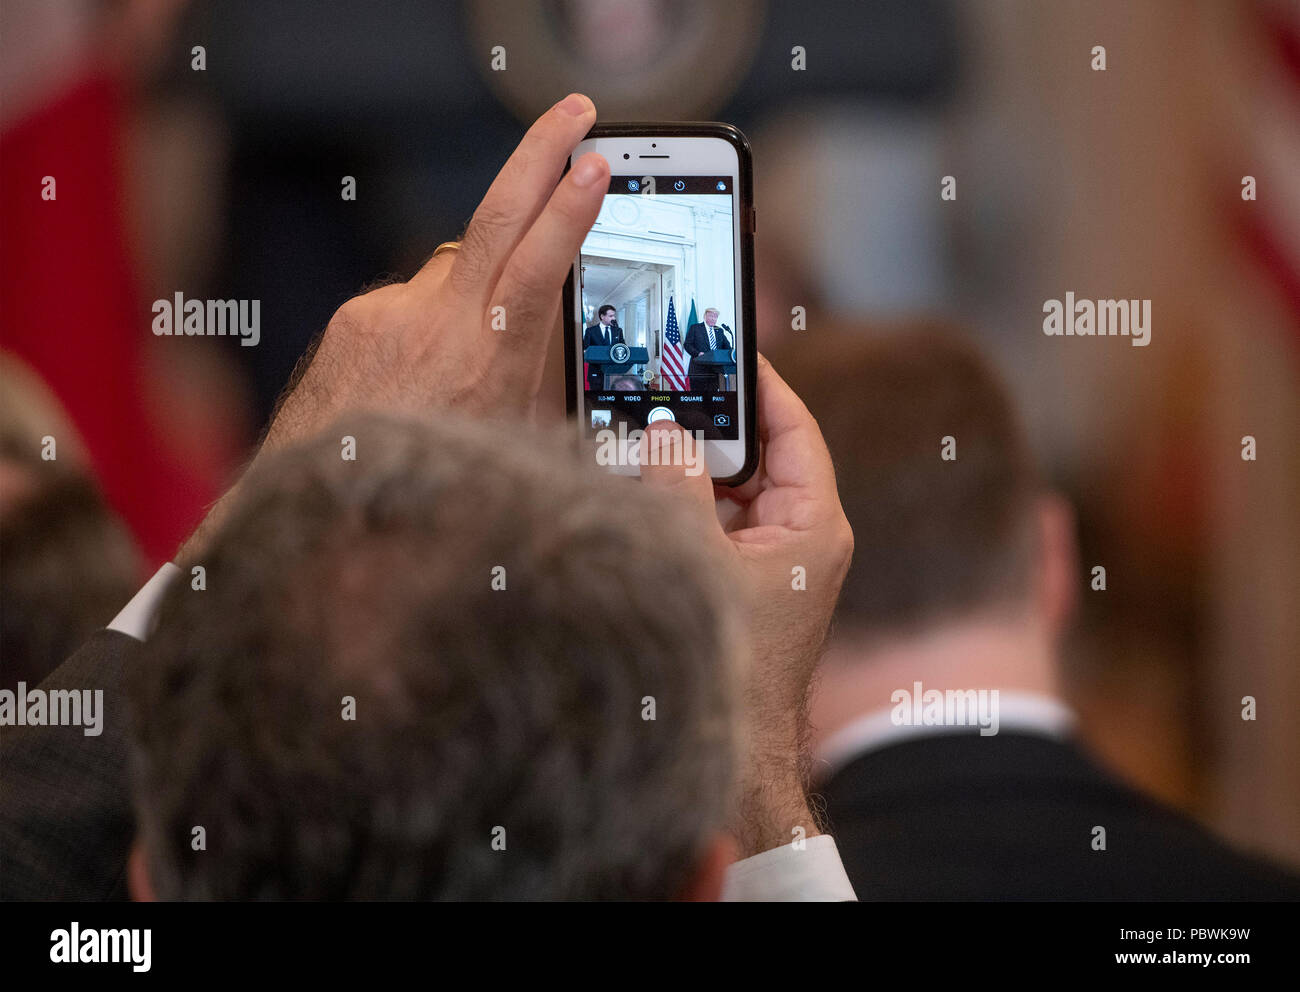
<point x="657" y="329"/>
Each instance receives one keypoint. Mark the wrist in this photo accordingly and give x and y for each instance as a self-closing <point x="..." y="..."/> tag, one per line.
<point x="771" y="813"/>
<point x="772" y="808"/>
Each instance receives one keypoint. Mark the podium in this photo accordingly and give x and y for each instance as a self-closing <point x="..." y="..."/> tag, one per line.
<point x="723" y="358"/>
<point x="603" y="361"/>
<point x="721" y="361"/>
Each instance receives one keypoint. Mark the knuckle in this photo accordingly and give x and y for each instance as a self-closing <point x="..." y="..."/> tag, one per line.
<point x="486" y="229"/>
<point x="573" y="216"/>
<point x="526" y="321"/>
<point x="568" y="206"/>
<point x="371" y="314"/>
<point x="486" y="224"/>
<point x="472" y="264"/>
<point x="353" y="315"/>
<point x="530" y="290"/>
<point x="844" y="541"/>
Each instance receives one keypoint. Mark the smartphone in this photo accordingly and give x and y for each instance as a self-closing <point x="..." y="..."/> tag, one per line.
<point x="660" y="300"/>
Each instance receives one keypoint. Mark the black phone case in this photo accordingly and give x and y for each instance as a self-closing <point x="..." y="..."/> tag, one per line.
<point x="749" y="348"/>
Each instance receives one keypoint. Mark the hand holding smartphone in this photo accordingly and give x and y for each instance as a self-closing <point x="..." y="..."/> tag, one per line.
<point x="660" y="300"/>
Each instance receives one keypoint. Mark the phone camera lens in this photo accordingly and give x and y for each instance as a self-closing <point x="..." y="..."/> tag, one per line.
<point x="625" y="155"/>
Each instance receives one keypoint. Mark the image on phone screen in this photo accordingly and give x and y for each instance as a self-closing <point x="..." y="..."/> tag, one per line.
<point x="657" y="331"/>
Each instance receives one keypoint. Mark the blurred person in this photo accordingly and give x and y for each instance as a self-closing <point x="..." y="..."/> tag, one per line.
<point x="965" y="577"/>
<point x="66" y="561"/>
<point x="66" y="820"/>
<point x="706" y="336"/>
<point x="71" y="305"/>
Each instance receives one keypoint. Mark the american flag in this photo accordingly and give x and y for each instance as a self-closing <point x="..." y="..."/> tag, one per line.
<point x="1272" y="234"/>
<point x="672" y="363"/>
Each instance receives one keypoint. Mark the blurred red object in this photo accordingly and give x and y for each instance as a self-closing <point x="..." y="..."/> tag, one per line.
<point x="70" y="307"/>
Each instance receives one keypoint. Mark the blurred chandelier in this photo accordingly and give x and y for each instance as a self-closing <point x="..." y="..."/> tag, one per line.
<point x="638" y="59"/>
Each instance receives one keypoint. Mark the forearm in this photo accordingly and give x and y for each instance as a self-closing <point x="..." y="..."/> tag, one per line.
<point x="773" y="807"/>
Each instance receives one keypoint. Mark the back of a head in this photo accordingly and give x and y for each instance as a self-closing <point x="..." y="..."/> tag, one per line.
<point x="460" y="666"/>
<point x="69" y="562"/>
<point x="943" y="528"/>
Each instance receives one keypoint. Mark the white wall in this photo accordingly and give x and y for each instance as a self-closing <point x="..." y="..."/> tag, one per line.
<point x="690" y="235"/>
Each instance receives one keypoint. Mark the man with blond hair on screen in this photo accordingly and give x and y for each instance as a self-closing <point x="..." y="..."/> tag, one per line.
<point x="702" y="338"/>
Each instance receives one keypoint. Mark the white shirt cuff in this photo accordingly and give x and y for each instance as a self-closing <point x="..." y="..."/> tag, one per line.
<point x="138" y="617"/>
<point x="814" y="873"/>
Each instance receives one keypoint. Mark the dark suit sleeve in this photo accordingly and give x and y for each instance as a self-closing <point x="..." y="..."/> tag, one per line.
<point x="693" y="347"/>
<point x="66" y="824"/>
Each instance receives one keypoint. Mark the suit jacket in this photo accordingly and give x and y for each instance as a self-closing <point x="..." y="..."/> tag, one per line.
<point x="697" y="339"/>
<point x="66" y="822"/>
<point x="1011" y="817"/>
<point x="595" y="336"/>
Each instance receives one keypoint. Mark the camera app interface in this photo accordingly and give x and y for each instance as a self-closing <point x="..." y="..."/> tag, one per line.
<point x="657" y="284"/>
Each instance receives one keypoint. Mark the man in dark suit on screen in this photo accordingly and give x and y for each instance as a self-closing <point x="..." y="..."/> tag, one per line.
<point x="605" y="332"/>
<point x="702" y="338"/>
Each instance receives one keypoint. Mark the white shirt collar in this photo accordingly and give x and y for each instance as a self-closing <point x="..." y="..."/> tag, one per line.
<point x="1021" y="712"/>
<point x="138" y="617"/>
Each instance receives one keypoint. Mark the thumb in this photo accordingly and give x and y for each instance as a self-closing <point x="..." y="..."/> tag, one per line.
<point x="672" y="460"/>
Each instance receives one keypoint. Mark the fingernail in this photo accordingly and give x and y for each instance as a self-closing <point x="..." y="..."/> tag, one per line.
<point x="575" y="105"/>
<point x="587" y="169"/>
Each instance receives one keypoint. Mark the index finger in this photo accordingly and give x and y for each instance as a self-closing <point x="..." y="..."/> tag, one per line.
<point x="516" y="197"/>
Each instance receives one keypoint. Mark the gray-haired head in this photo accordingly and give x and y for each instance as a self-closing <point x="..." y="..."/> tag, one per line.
<point x="498" y="616"/>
